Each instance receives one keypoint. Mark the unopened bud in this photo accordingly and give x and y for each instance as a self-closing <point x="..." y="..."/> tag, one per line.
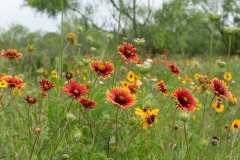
<point x="139" y="42"/>
<point x="214" y="16"/>
<point x="109" y="36"/>
<point x="184" y="116"/>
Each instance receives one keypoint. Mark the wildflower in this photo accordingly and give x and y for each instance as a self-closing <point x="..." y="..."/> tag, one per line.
<point x="184" y="99"/>
<point x="124" y="83"/>
<point x="165" y="50"/>
<point x="181" y="80"/>
<point x="235" y="124"/>
<point x="231" y="30"/>
<point x="149" y="116"/>
<point x="219" y="88"/>
<point x="173" y="68"/>
<point x="31" y="99"/>
<point x="3" y="83"/>
<point x="139" y="42"/>
<point x="17" y="91"/>
<point x="44" y="95"/>
<point x="214" y="140"/>
<point x="190" y="80"/>
<point x="74" y="89"/>
<point x="69" y="75"/>
<point x="102" y="69"/>
<point x="89" y="38"/>
<point x="87" y="103"/>
<point x="37" y="130"/>
<point x="163" y="56"/>
<point x="11" y="54"/>
<point x="197" y="89"/>
<point x="109" y="36"/>
<point x="54" y="74"/>
<point x="133" y="88"/>
<point x="121" y="97"/>
<point x="162" y="87"/>
<point x="198" y="106"/>
<point x="227" y="76"/>
<point x="80" y="28"/>
<point x="218" y="106"/>
<point x="130" y="76"/>
<point x="184" y="116"/>
<point x="214" y="16"/>
<point x="92" y="49"/>
<point x="143" y="68"/>
<point x="31" y="48"/>
<point x="64" y="155"/>
<point x="197" y="76"/>
<point x="194" y="118"/>
<point x="221" y="64"/>
<point x="127" y="51"/>
<point x="40" y="71"/>
<point x="46" y="72"/>
<point x="71" y="37"/>
<point x="46" y="84"/>
<point x="232" y="100"/>
<point x="13" y="81"/>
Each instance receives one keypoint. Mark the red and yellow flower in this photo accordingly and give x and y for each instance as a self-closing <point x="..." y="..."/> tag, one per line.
<point x="102" y="69"/>
<point x="173" y="68"/>
<point x="13" y="81"/>
<point x="162" y="87"/>
<point x="121" y="97"/>
<point x="30" y="99"/>
<point x="149" y="116"/>
<point x="46" y="84"/>
<point x="133" y="88"/>
<point x="219" y="88"/>
<point x="87" y="103"/>
<point x="127" y="51"/>
<point x="184" y="99"/>
<point x="75" y="89"/>
<point x="11" y="54"/>
<point x="218" y="106"/>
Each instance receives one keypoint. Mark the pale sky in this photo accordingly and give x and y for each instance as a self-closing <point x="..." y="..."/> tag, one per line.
<point x="11" y="12"/>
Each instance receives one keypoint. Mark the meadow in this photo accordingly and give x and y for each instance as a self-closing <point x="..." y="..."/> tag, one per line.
<point x="125" y="104"/>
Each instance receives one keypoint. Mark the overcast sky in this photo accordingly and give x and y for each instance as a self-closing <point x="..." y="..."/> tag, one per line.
<point x="12" y="12"/>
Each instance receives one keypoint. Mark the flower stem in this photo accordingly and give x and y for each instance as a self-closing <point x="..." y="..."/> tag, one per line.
<point x="12" y="67"/>
<point x="116" y="135"/>
<point x="33" y="146"/>
<point x="32" y="61"/>
<point x="40" y="111"/>
<point x="229" y="48"/>
<point x="29" y="130"/>
<point x="185" y="133"/>
<point x="210" y="54"/>
<point x="61" y="56"/>
<point x="93" y="83"/>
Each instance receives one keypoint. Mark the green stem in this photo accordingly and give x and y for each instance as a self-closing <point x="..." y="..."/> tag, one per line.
<point x="40" y="110"/>
<point x="229" y="48"/>
<point x="33" y="61"/>
<point x="185" y="133"/>
<point x="210" y="54"/>
<point x="29" y="126"/>
<point x="12" y="67"/>
<point x="61" y="56"/>
<point x="116" y="135"/>
<point x="33" y="146"/>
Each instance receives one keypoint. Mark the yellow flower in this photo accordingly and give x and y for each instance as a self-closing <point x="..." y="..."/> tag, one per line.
<point x="232" y="99"/>
<point x="219" y="107"/>
<point x="84" y="78"/>
<point x="54" y="74"/>
<point x="181" y="80"/>
<point x="78" y="71"/>
<point x="197" y="76"/>
<point x="198" y="106"/>
<point x="131" y="76"/>
<point x="85" y="70"/>
<point x="227" y="76"/>
<point x="192" y="63"/>
<point x="3" y="84"/>
<point x="190" y="80"/>
<point x="186" y="76"/>
<point x="17" y="91"/>
<point x="149" y="116"/>
<point x="235" y="124"/>
<point x="236" y="57"/>
<point x="197" y="89"/>
<point x="194" y="118"/>
<point x="46" y="72"/>
<point x="124" y="83"/>
<point x="149" y="75"/>
<point x="187" y="62"/>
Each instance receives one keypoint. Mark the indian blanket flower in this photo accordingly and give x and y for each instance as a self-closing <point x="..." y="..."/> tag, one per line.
<point x="227" y="76"/>
<point x="133" y="88"/>
<point x="162" y="87"/>
<point x="184" y="99"/>
<point x="219" y="88"/>
<point x="121" y="97"/>
<point x="30" y="99"/>
<point x="173" y="68"/>
<point x="235" y="124"/>
<point x="13" y="81"/>
<point x="102" y="69"/>
<point x="149" y="116"/>
<point x="218" y="106"/>
<point x="127" y="51"/>
<point x="87" y="103"/>
<point x="75" y="89"/>
<point x="46" y="84"/>
<point x="11" y="54"/>
<point x="69" y="75"/>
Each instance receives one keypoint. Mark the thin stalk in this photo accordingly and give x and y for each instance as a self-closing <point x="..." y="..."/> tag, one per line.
<point x="104" y="50"/>
<point x="33" y="61"/>
<point x="29" y="126"/>
<point x="61" y="56"/>
<point x="229" y="48"/>
<point x="33" y="146"/>
<point x="116" y="135"/>
<point x="12" y="67"/>
<point x="185" y="133"/>
<point x="40" y="110"/>
<point x="234" y="139"/>
<point x="210" y="54"/>
<point x="115" y="54"/>
<point x="93" y="83"/>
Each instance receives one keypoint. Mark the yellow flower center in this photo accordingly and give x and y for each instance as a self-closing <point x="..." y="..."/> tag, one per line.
<point x="31" y="99"/>
<point x="75" y="91"/>
<point x="185" y="99"/>
<point x="11" y="52"/>
<point x="45" y="86"/>
<point x="120" y="99"/>
<point x="101" y="67"/>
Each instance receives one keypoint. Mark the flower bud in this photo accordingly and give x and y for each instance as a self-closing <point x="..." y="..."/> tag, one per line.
<point x="139" y="42"/>
<point x="64" y="155"/>
<point x="89" y="38"/>
<point x="143" y="68"/>
<point x="70" y="117"/>
<point x="106" y="117"/>
<point x="125" y="39"/>
<point x="86" y="61"/>
<point x="230" y="30"/>
<point x="214" y="16"/>
<point x="92" y="49"/>
<point x="109" y="36"/>
<point x="31" y="48"/>
<point x="214" y="140"/>
<point x="221" y="64"/>
<point x="80" y="29"/>
<point x="40" y="71"/>
<point x="37" y="130"/>
<point x="132" y="120"/>
<point x="71" y="37"/>
<point x="77" y="134"/>
<point x="184" y="116"/>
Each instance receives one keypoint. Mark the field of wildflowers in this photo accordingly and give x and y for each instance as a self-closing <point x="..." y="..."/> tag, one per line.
<point x="123" y="105"/>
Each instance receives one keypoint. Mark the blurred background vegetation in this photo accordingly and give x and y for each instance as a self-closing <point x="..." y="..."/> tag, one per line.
<point x="181" y="26"/>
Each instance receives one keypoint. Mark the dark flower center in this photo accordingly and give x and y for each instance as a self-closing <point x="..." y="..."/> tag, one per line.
<point x="220" y="89"/>
<point x="11" y="53"/>
<point x="183" y="101"/>
<point x="120" y="99"/>
<point x="151" y="119"/>
<point x="235" y="126"/>
<point x="127" y="53"/>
